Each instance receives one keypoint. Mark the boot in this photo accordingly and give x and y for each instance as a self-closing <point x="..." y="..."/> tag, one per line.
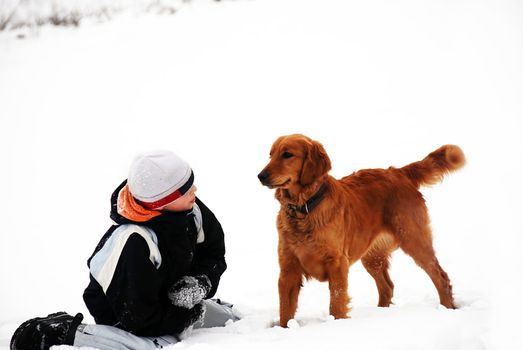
<point x="43" y="332"/>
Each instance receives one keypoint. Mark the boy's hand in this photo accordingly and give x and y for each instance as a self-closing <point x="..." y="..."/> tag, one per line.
<point x="189" y="290"/>
<point x="192" y="317"/>
<point x="196" y="314"/>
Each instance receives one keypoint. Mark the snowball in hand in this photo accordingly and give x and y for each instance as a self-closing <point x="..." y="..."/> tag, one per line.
<point x="189" y="291"/>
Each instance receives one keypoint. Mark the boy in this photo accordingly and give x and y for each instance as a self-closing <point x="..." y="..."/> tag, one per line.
<point x="152" y="273"/>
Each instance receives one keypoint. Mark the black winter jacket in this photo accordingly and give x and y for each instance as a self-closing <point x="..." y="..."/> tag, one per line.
<point x="135" y="298"/>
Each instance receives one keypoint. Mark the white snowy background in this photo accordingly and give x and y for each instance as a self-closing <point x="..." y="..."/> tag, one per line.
<point x="378" y="82"/>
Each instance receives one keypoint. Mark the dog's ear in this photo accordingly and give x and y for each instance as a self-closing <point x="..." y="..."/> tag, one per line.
<point x="316" y="164"/>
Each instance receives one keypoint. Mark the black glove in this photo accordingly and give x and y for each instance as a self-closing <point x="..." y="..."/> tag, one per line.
<point x="195" y="314"/>
<point x="189" y="291"/>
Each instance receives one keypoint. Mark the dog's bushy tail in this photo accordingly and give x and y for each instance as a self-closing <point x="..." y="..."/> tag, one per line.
<point x="435" y="166"/>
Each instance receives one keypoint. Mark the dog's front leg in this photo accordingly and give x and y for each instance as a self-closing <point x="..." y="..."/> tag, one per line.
<point x="338" y="283"/>
<point x="289" y="285"/>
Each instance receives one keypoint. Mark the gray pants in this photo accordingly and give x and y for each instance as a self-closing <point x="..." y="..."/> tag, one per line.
<point x="112" y="338"/>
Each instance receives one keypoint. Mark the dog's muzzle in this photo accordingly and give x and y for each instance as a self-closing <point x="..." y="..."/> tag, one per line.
<point x="264" y="177"/>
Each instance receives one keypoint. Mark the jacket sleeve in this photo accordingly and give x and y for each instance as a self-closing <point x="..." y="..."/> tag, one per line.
<point x="135" y="297"/>
<point x="209" y="258"/>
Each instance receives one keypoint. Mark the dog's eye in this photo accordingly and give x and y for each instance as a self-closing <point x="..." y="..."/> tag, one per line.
<point x="287" y="155"/>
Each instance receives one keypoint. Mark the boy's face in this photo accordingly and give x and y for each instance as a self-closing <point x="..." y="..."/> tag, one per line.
<point x="183" y="203"/>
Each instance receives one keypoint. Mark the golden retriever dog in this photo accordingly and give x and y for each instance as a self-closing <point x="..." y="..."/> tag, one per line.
<point x="325" y="225"/>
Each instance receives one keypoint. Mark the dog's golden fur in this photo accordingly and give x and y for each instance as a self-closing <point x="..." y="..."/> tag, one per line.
<point x="366" y="215"/>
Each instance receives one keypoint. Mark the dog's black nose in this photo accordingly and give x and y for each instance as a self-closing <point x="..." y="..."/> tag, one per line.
<point x="263" y="176"/>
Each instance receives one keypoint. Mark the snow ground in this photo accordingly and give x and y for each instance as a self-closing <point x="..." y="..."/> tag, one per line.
<point x="379" y="83"/>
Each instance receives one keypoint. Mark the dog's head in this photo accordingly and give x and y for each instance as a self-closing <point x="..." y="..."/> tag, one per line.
<point x="295" y="160"/>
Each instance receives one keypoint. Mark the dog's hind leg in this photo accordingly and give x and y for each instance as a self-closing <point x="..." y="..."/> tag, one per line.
<point x="376" y="262"/>
<point x="416" y="241"/>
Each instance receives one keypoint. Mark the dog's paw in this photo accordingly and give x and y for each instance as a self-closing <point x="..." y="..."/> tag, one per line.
<point x="293" y="324"/>
<point x="340" y="316"/>
<point x="329" y="318"/>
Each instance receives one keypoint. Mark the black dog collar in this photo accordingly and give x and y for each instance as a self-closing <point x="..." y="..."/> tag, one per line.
<point x="309" y="205"/>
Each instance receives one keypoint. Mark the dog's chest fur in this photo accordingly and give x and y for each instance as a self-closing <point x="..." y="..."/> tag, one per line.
<point x="304" y="239"/>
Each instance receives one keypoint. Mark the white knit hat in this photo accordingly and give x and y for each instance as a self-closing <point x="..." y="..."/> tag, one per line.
<point x="158" y="178"/>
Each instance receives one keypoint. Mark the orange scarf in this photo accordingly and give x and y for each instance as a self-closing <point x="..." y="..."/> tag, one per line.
<point x="130" y="209"/>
